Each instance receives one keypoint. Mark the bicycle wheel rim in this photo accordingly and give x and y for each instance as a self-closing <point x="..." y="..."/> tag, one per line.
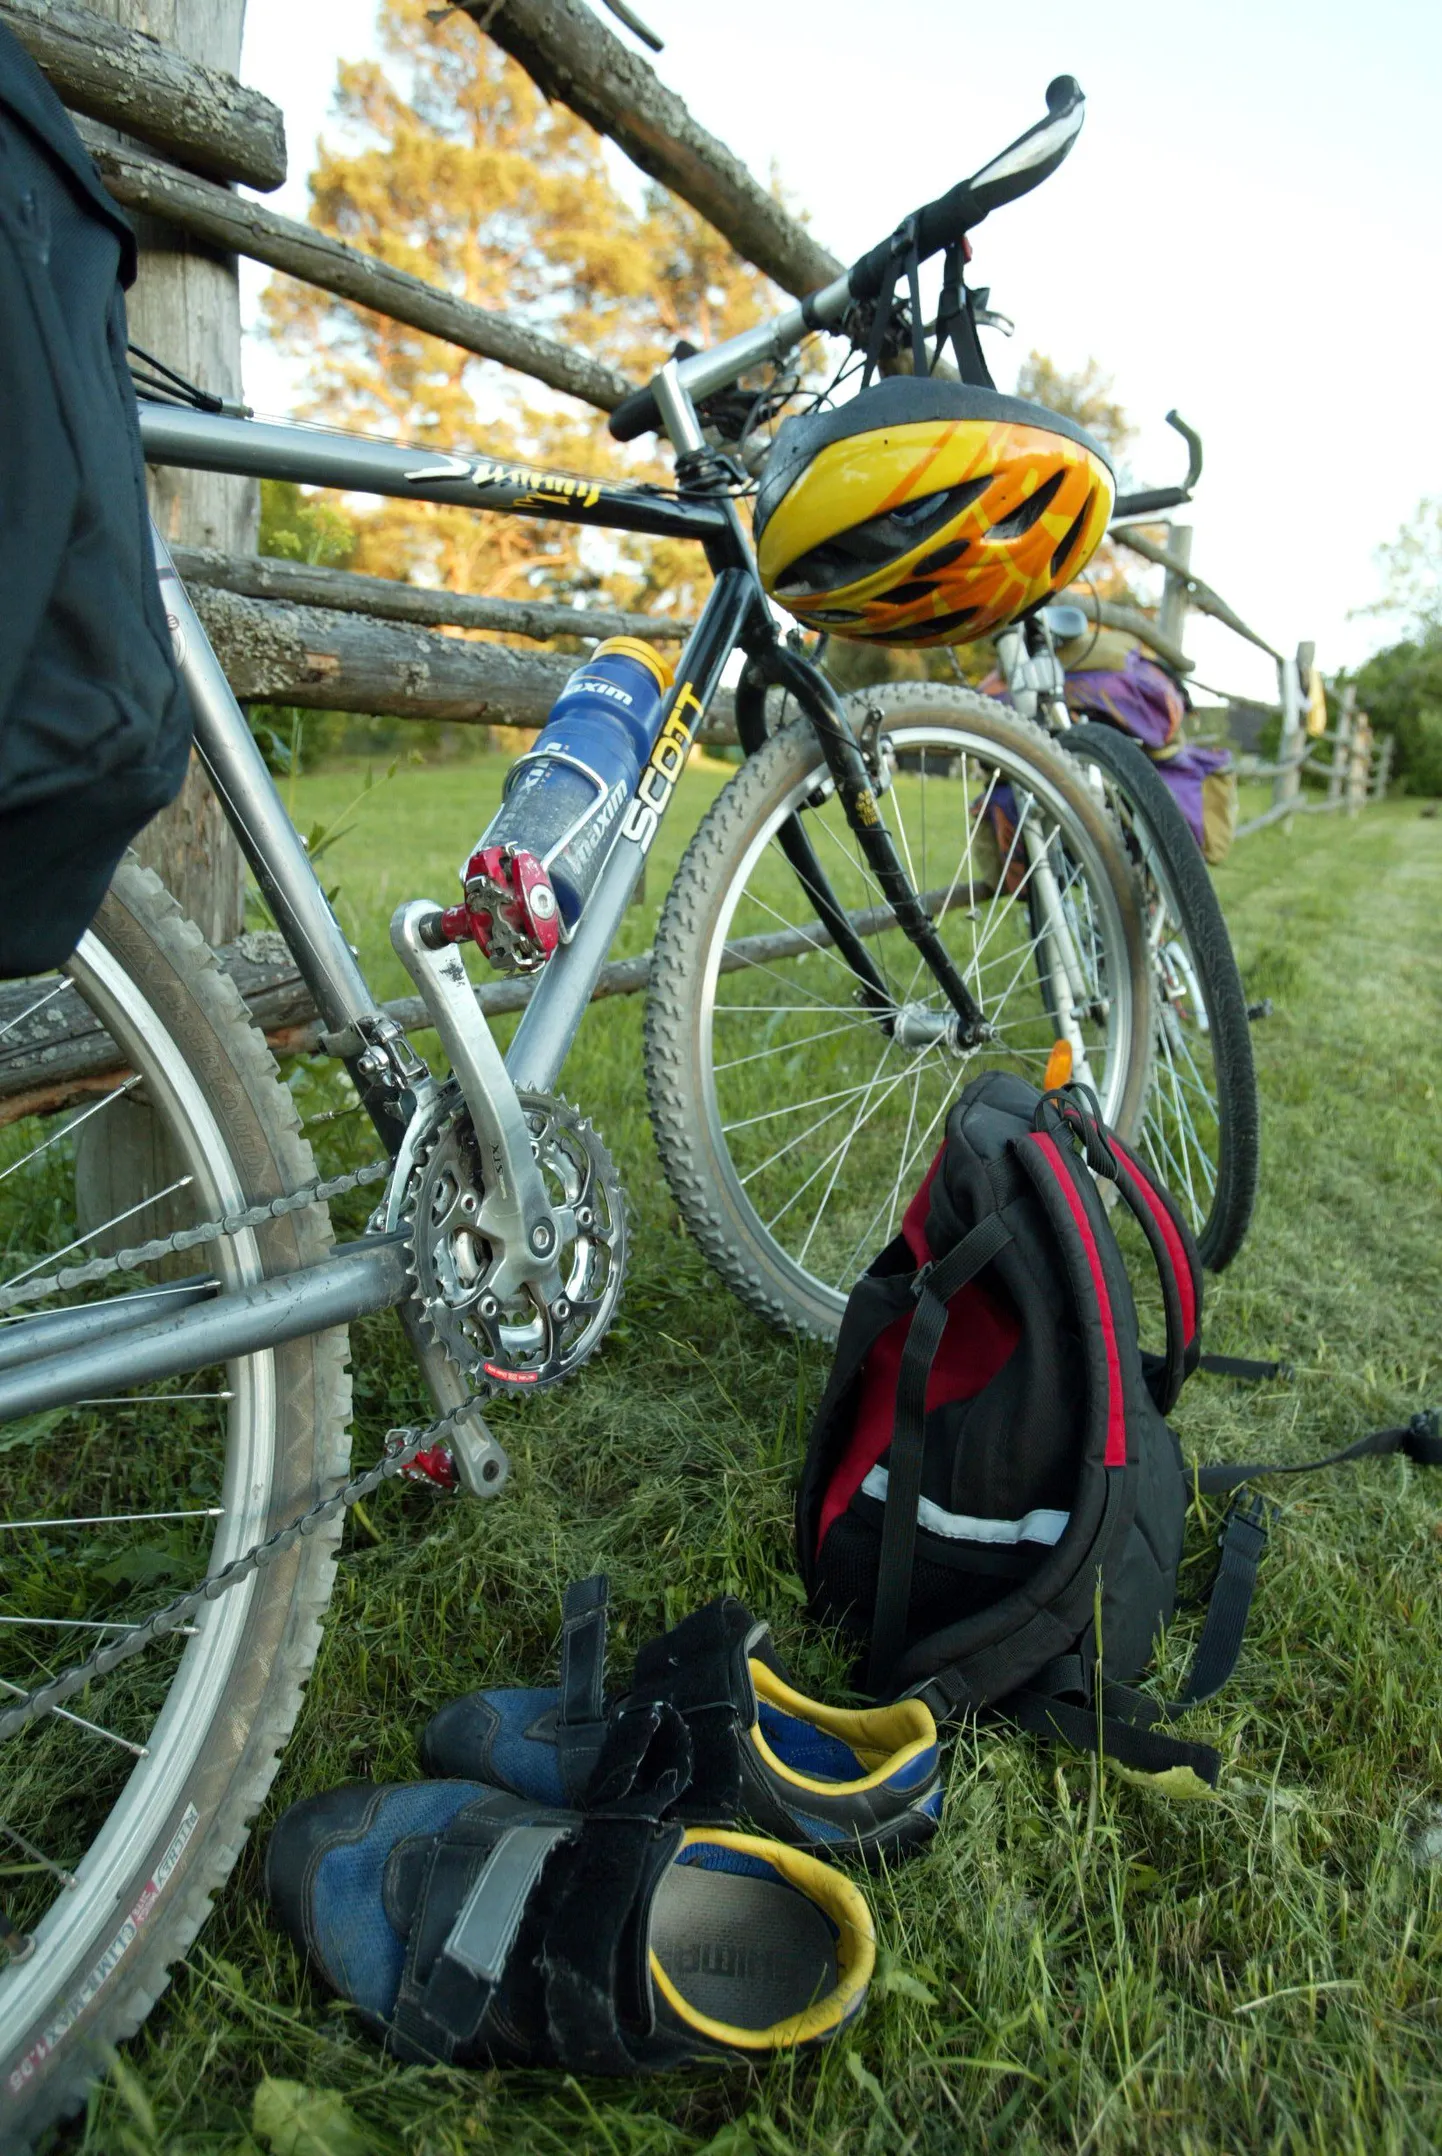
<point x="66" y="1936"/>
<point x="981" y="755"/>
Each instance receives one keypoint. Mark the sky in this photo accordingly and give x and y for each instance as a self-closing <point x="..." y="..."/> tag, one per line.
<point x="1248" y="229"/>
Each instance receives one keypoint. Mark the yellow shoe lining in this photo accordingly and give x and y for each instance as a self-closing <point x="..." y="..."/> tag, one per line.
<point x="855" y="1947"/>
<point x="884" y="1739"/>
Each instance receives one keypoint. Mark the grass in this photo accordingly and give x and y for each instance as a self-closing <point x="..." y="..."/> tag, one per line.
<point x="1077" y="1964"/>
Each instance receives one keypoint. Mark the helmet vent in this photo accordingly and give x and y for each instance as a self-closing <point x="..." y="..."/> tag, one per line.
<point x="877" y="543"/>
<point x="1073" y="534"/>
<point x="1021" y="520"/>
<point x="941" y="557"/>
<point x="932" y="630"/>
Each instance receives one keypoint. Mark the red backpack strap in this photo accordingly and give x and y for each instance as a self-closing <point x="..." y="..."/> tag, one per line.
<point x="1179" y="1268"/>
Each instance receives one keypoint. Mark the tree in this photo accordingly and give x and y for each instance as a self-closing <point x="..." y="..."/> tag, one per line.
<point x="459" y="171"/>
<point x="1411" y="566"/>
<point x="1085" y="396"/>
<point x="1401" y="691"/>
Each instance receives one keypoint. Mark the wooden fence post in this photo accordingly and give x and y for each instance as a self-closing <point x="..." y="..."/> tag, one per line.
<point x="185" y="307"/>
<point x="1288" y="782"/>
<point x="1382" y="766"/>
<point x="1173" y="616"/>
<point x="1341" y="747"/>
<point x="1360" y="766"/>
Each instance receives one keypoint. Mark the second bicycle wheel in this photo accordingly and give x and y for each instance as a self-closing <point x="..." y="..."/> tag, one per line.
<point x="793" y="1121"/>
<point x="1201" y="1131"/>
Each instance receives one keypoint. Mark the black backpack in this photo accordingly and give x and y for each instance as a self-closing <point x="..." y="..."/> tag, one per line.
<point x="94" y="720"/>
<point x="992" y="1498"/>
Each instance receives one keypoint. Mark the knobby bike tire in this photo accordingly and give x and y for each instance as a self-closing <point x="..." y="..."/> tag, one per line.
<point x="101" y="1961"/>
<point x="683" y="1065"/>
<point x="1223" y="1224"/>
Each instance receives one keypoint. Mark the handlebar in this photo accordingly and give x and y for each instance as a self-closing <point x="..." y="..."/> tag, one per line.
<point x="1156" y="498"/>
<point x="1032" y="158"/>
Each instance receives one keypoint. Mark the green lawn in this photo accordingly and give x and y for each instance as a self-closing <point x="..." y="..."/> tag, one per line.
<point x="1077" y="1964"/>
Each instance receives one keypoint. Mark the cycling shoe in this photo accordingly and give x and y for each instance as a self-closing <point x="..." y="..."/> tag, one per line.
<point x="471" y="1926"/>
<point x="828" y="1779"/>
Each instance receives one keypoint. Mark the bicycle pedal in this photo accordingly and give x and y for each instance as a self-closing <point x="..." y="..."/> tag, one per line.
<point x="436" y="1468"/>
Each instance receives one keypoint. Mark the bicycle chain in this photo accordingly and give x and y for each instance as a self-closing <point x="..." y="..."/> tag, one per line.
<point x="402" y="1445"/>
<point x="206" y="1231"/>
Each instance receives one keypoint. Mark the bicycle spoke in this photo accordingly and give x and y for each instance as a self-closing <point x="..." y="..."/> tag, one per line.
<point x="807" y="1040"/>
<point x="845" y="1142"/>
<point x="66" y="1128"/>
<point x="78" y="1721"/>
<point x="36" y="1856"/>
<point x="35" y="1008"/>
<point x="115" y="1519"/>
<point x="50" y="1257"/>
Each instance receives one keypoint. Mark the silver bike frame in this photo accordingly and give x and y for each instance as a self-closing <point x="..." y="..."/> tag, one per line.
<point x="134" y="1345"/>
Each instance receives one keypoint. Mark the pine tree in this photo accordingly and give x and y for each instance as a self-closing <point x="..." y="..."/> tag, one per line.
<point x="460" y="172"/>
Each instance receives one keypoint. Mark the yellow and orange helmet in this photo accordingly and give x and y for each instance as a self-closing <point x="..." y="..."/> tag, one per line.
<point x="927" y="512"/>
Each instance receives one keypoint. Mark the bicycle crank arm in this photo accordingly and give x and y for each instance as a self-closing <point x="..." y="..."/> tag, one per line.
<point x="515" y="1217"/>
<point x="372" y="1274"/>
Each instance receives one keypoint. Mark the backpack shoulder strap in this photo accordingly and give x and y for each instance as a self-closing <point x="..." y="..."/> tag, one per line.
<point x="933" y="1287"/>
<point x="1061" y="1702"/>
<point x="1179" y="1268"/>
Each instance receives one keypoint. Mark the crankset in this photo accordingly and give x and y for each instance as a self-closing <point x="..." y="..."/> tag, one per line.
<point x="515" y="1336"/>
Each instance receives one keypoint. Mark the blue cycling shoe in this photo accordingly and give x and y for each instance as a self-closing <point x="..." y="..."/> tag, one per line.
<point x="473" y="1927"/>
<point x="826" y="1779"/>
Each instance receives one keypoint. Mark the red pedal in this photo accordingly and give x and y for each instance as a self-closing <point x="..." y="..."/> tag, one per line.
<point x="435" y="1466"/>
<point x="510" y="909"/>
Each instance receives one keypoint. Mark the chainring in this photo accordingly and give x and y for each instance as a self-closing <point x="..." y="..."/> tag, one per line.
<point x="523" y="1344"/>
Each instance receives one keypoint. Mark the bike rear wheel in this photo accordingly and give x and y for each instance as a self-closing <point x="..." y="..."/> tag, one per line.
<point x="108" y="1860"/>
<point x="793" y="1124"/>
<point x="1201" y="1131"/>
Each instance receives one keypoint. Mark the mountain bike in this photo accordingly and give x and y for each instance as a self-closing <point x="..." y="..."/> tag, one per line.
<point x="844" y="946"/>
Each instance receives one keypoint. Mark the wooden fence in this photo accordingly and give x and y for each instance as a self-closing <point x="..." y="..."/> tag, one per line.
<point x="286" y="633"/>
<point x="289" y="633"/>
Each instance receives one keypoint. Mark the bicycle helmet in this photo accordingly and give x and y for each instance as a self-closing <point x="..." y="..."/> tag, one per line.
<point x="927" y="512"/>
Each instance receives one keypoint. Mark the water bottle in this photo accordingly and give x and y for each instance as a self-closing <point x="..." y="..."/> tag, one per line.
<point x="537" y="862"/>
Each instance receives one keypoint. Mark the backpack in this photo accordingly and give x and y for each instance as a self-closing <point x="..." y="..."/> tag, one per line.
<point x="993" y="1500"/>
<point x="94" y="720"/>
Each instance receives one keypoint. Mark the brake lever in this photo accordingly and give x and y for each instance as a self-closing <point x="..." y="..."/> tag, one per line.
<point x="986" y="317"/>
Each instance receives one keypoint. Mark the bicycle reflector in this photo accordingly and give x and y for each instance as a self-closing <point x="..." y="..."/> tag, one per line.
<point x="927" y="512"/>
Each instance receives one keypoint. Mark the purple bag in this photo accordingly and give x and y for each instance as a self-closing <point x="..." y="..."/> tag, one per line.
<point x="1140" y="698"/>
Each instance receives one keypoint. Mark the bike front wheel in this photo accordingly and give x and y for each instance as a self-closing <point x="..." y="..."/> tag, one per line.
<point x="124" y="1811"/>
<point x="794" y="1120"/>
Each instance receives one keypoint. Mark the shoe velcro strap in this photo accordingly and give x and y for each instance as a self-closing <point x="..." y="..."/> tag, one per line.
<point x="580" y="1721"/>
<point x="647" y="1762"/>
<point x="480" y="1892"/>
<point x="596" y="1961"/>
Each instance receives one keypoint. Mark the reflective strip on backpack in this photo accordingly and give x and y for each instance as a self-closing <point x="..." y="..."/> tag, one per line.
<point x="1040" y="1525"/>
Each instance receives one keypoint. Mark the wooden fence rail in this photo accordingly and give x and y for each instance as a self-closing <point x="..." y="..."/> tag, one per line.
<point x="262" y="576"/>
<point x="56" y="1053"/>
<point x="197" y="114"/>
<point x="276" y="652"/>
<point x="248" y="228"/>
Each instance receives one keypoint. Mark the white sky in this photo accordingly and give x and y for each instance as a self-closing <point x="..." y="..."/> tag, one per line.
<point x="1247" y="230"/>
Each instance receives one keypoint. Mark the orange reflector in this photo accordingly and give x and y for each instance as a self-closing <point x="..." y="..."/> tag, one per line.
<point x="1058" y="1066"/>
